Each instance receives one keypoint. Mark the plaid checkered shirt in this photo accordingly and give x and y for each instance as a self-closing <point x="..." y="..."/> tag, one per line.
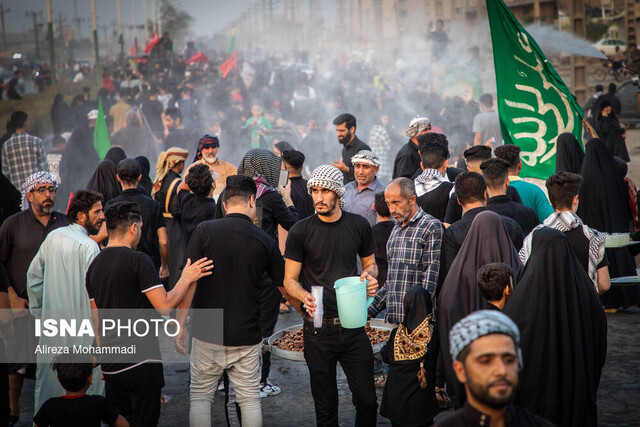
<point x="23" y="155"/>
<point x="413" y="253"/>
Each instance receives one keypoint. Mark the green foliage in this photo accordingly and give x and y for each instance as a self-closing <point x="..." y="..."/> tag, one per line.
<point x="175" y="19"/>
<point x="596" y="30"/>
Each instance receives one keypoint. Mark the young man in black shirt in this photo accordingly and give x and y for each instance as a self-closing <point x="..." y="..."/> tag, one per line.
<point x="432" y="185"/>
<point x="320" y="250"/>
<point x="135" y="387"/>
<point x="154" y="241"/>
<point x="381" y="232"/>
<point x="346" y="129"/>
<point x="243" y="254"/>
<point x="293" y="161"/>
<point x="496" y="174"/>
<point x="195" y="194"/>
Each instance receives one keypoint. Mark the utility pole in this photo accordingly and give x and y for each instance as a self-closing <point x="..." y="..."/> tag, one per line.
<point x="4" y="34"/>
<point x="52" y="48"/>
<point x="135" y="25"/>
<point x="146" y="26"/>
<point x="120" y="35"/>
<point x="159" y="10"/>
<point x="77" y="20"/>
<point x="95" y="38"/>
<point x="536" y="12"/>
<point x="577" y="14"/>
<point x="153" y="15"/>
<point x="35" y="30"/>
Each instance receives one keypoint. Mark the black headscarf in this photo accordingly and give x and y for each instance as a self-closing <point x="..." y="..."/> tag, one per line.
<point x="60" y="114"/>
<point x="569" y="153"/>
<point x="603" y="197"/>
<point x="563" y="333"/>
<point x="10" y="199"/>
<point x="145" y="181"/>
<point x="487" y="241"/>
<point x="604" y="207"/>
<point x="79" y="161"/>
<point x="104" y="180"/>
<point x="116" y="155"/>
<point x="610" y="130"/>
<point x="417" y="306"/>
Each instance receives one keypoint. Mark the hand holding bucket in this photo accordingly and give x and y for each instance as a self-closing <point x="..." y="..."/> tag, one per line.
<point x="351" y="296"/>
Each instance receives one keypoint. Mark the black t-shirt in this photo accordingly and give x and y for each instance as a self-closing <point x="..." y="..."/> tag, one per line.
<point x="454" y="210"/>
<point x="301" y="198"/>
<point x="580" y="245"/>
<point x="80" y="411"/>
<point x="435" y="202"/>
<point x="329" y="251"/>
<point x="118" y="278"/>
<point x="152" y="220"/>
<point x="526" y="217"/>
<point x="381" y="233"/>
<point x="242" y="253"/>
<point x="195" y="209"/>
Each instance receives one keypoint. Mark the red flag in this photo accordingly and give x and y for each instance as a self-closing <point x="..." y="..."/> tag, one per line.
<point x="198" y="57"/>
<point x="133" y="51"/>
<point x="69" y="202"/>
<point x="106" y="82"/>
<point x="229" y="64"/>
<point x="153" y="41"/>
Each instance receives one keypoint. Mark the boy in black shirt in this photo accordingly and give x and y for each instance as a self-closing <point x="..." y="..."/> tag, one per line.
<point x="195" y="194"/>
<point x="76" y="408"/>
<point x="122" y="278"/>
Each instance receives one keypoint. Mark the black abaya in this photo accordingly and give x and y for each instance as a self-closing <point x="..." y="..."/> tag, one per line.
<point x="404" y="402"/>
<point x="105" y="181"/>
<point x="116" y="155"/>
<point x="487" y="241"/>
<point x="569" y="154"/>
<point x="604" y="207"/>
<point x="145" y="181"/>
<point x="610" y="130"/>
<point x="79" y="161"/>
<point x="563" y="333"/>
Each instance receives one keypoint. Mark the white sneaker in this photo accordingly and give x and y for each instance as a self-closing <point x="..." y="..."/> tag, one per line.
<point x="268" y="389"/>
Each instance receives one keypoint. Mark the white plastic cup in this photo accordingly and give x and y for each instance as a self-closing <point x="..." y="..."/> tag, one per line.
<point x="316" y="292"/>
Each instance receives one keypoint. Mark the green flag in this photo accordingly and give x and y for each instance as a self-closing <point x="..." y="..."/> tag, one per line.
<point x="101" y="133"/>
<point x="534" y="104"/>
<point x="231" y="44"/>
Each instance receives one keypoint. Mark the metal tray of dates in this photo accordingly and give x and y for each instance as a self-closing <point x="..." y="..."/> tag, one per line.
<point x="272" y="343"/>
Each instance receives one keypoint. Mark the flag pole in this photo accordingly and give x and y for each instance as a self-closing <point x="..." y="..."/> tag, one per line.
<point x="589" y="129"/>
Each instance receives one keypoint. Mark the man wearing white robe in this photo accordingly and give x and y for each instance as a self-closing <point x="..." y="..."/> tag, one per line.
<point x="56" y="286"/>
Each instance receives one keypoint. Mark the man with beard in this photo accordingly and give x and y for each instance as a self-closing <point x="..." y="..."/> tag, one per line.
<point x="320" y="250"/>
<point x="20" y="237"/>
<point x="346" y="129"/>
<point x="408" y="158"/>
<point x="359" y="195"/>
<point x="55" y="284"/>
<point x="207" y="154"/>
<point x="175" y="133"/>
<point x="485" y="347"/>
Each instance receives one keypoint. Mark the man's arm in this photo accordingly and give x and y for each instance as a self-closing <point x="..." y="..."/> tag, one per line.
<point x="604" y="280"/>
<point x="180" y="340"/>
<point x="477" y="138"/>
<point x="164" y="301"/>
<point x="296" y="294"/>
<point x="431" y="257"/>
<point x="370" y="273"/>
<point x="163" y="242"/>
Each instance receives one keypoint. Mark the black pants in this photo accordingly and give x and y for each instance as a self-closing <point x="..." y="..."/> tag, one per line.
<point x="136" y="393"/>
<point x="323" y="348"/>
<point x="269" y="309"/>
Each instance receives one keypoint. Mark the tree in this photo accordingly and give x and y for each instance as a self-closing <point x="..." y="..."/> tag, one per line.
<point x="175" y="19"/>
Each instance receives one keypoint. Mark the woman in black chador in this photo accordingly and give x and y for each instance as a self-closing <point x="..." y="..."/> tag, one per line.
<point x="610" y="130"/>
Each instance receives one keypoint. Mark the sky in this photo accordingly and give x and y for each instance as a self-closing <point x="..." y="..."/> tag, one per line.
<point x="209" y="15"/>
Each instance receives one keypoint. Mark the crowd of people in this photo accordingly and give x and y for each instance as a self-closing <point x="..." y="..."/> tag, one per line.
<point x="453" y="252"/>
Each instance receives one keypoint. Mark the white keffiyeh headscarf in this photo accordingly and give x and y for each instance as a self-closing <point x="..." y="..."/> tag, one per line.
<point x="567" y="221"/>
<point x="329" y="177"/>
<point x="32" y="182"/>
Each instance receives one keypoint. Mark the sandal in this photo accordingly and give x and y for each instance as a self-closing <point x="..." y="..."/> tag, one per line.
<point x="444" y="401"/>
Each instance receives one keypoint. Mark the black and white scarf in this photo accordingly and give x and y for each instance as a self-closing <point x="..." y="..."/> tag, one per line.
<point x="567" y="221"/>
<point x="428" y="180"/>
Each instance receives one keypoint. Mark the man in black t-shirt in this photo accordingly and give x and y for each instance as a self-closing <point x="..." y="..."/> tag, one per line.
<point x="243" y="254"/>
<point x="154" y="241"/>
<point x="195" y="195"/>
<point x="134" y="387"/>
<point x="346" y="130"/>
<point x="432" y="186"/>
<point x="320" y="250"/>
